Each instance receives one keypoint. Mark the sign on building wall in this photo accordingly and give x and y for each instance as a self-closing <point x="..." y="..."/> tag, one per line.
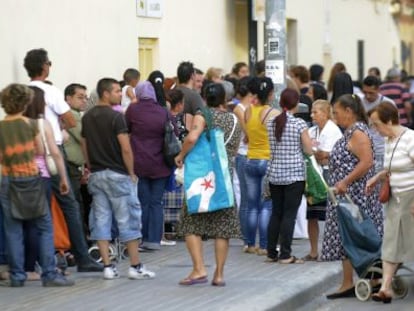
<point x="149" y="8"/>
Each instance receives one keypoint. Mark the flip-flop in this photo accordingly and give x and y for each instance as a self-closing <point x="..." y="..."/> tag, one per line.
<point x="192" y="281"/>
<point x="291" y="260"/>
<point x="219" y="283"/>
<point x="308" y="257"/>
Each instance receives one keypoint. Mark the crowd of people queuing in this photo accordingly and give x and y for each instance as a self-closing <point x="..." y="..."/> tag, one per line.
<point x="113" y="145"/>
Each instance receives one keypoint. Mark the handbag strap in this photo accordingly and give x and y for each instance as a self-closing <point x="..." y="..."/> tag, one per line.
<point x="395" y="147"/>
<point x="40" y="122"/>
<point x="232" y="131"/>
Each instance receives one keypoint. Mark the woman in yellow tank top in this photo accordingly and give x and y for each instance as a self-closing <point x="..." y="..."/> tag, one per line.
<point x="258" y="154"/>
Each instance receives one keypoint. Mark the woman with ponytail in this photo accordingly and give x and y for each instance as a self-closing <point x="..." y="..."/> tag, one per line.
<point x="258" y="155"/>
<point x="289" y="139"/>
<point x="156" y="78"/>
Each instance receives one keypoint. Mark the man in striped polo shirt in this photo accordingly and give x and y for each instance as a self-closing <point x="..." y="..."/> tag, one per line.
<point x="395" y="90"/>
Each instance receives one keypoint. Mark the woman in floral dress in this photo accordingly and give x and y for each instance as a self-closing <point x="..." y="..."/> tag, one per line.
<point x="351" y="164"/>
<point x="220" y="225"/>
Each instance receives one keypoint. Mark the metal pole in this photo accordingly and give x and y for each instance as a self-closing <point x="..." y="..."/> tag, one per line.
<point x="275" y="45"/>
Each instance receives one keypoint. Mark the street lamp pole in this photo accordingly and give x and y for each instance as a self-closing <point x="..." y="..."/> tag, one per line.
<point x="275" y="45"/>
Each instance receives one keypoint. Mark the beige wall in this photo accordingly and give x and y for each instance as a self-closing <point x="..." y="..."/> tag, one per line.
<point x="348" y="21"/>
<point x="86" y="40"/>
<point x="90" y="39"/>
<point x="196" y="30"/>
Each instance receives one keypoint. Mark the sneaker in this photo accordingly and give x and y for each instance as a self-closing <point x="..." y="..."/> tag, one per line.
<point x="58" y="281"/>
<point x="250" y="250"/>
<point x="140" y="273"/>
<point x="165" y="242"/>
<point x="261" y="252"/>
<point x="110" y="273"/>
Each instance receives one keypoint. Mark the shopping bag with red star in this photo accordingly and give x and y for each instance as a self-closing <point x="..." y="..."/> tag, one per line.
<point x="207" y="180"/>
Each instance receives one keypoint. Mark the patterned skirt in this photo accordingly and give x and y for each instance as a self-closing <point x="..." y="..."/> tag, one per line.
<point x="222" y="224"/>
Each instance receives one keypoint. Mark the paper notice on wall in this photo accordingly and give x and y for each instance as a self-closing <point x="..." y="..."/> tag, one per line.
<point x="275" y="70"/>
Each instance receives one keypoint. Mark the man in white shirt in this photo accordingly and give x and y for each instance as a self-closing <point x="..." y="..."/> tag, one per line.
<point x="37" y="65"/>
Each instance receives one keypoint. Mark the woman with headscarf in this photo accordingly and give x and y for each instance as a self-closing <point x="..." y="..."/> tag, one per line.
<point x="146" y="124"/>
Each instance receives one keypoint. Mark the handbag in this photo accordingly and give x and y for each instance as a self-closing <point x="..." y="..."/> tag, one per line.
<point x="50" y="162"/>
<point x="316" y="188"/>
<point x="172" y="145"/>
<point x="207" y="181"/>
<point x="385" y="190"/>
<point x="27" y="198"/>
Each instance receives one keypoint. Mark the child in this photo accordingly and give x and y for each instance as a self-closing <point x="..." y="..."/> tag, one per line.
<point x="131" y="79"/>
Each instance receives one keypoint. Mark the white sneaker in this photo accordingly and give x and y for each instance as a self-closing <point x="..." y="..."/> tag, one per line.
<point x="165" y="242"/>
<point x="110" y="273"/>
<point x="140" y="273"/>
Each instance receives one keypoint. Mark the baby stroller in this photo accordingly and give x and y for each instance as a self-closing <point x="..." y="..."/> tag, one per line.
<point x="362" y="245"/>
<point x="117" y="250"/>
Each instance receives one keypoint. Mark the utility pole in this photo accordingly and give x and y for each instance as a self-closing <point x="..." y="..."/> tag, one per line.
<point x="275" y="45"/>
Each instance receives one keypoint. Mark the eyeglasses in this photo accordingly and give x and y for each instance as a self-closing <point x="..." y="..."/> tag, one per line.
<point x="49" y="63"/>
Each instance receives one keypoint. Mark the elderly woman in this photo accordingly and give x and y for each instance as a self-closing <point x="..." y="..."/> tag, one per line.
<point x="220" y="225"/>
<point x="146" y="123"/>
<point x="324" y="135"/>
<point x="351" y="164"/>
<point x="289" y="138"/>
<point x="397" y="246"/>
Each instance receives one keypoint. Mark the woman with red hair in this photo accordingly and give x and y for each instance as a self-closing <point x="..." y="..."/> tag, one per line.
<point x="289" y="139"/>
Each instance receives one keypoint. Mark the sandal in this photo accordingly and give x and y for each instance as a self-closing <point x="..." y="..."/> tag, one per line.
<point x="193" y="281"/>
<point x="291" y="260"/>
<point x="308" y="257"/>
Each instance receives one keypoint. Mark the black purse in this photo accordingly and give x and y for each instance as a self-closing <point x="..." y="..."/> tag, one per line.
<point x="27" y="198"/>
<point x="172" y="145"/>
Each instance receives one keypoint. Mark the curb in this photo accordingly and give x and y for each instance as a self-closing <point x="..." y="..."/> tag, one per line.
<point x="303" y="297"/>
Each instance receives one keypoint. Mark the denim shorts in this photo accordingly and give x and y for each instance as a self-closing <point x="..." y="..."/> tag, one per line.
<point x="114" y="195"/>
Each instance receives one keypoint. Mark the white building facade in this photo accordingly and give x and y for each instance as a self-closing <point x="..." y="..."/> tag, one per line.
<point x="88" y="40"/>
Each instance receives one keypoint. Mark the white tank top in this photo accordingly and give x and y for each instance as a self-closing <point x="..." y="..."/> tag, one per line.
<point x="243" y="146"/>
<point x="125" y="101"/>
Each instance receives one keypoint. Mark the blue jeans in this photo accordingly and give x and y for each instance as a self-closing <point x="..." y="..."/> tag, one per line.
<point x="31" y="243"/>
<point x="240" y="169"/>
<point x="114" y="196"/>
<point x="14" y="239"/>
<point x="257" y="216"/>
<point x="3" y="255"/>
<point x="150" y="194"/>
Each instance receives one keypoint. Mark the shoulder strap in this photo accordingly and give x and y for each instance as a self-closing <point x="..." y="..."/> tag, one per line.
<point x="232" y="131"/>
<point x="40" y="123"/>
<point x="267" y="113"/>
<point x="395" y="147"/>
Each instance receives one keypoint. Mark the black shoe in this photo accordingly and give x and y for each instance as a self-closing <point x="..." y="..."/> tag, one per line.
<point x="90" y="266"/>
<point x="58" y="281"/>
<point x="349" y="293"/>
<point x="16" y="283"/>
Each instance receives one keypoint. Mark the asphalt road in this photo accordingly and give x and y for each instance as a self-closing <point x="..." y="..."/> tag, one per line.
<point x="320" y="303"/>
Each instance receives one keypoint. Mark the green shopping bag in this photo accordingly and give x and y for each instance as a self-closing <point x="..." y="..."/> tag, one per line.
<point x="316" y="187"/>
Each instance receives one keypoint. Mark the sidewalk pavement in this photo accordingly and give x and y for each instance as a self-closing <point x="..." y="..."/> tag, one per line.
<point x="252" y="284"/>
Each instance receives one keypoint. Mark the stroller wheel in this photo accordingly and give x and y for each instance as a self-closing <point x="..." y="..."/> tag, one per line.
<point x="363" y="289"/>
<point x="94" y="253"/>
<point x="400" y="287"/>
<point x="124" y="253"/>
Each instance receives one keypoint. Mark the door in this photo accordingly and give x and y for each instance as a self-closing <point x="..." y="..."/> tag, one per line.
<point x="148" y="59"/>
